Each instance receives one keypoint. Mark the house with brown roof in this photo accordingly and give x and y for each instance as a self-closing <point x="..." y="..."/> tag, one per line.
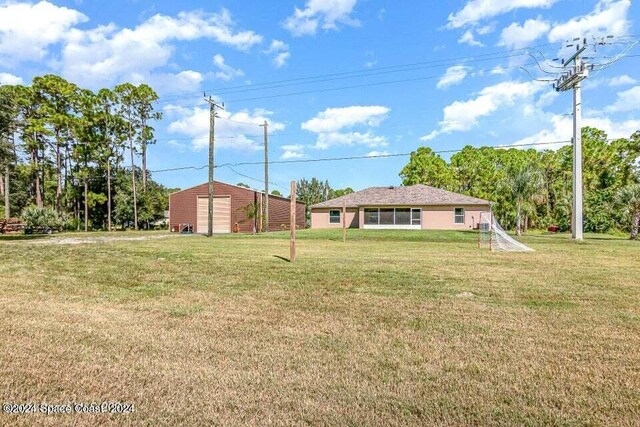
<point x="407" y="207"/>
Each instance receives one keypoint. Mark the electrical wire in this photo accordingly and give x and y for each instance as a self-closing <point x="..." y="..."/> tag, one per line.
<point x="254" y="179"/>
<point x="370" y="71"/>
<point x="329" y="159"/>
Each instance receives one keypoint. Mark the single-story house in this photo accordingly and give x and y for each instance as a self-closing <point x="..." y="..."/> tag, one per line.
<point x="407" y="207"/>
<point x="190" y="207"/>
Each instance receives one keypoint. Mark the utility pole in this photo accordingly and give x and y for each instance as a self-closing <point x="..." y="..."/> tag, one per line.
<point x="7" y="204"/>
<point x="571" y="80"/>
<point x="212" y="130"/>
<point x="292" y="224"/>
<point x="266" y="177"/>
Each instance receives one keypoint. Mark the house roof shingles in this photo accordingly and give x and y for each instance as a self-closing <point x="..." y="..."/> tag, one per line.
<point x="414" y="195"/>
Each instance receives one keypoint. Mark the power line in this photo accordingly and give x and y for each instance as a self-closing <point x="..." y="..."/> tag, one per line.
<point x="329" y="159"/>
<point x="442" y="62"/>
<point x="320" y="78"/>
<point x="253" y="178"/>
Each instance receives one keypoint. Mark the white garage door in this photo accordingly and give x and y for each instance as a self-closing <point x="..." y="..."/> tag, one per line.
<point x="221" y="215"/>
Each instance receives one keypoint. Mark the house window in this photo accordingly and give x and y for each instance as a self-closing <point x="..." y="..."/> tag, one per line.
<point x="371" y="216"/>
<point x="393" y="216"/>
<point x="386" y="216"/>
<point x="416" y="216"/>
<point x="403" y="216"/>
<point x="334" y="217"/>
<point x="459" y="216"/>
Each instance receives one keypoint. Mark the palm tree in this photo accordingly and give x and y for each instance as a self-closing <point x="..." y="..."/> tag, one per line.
<point x="629" y="198"/>
<point x="522" y="183"/>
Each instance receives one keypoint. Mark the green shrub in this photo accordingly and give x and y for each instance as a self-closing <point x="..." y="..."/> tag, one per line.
<point x="35" y="217"/>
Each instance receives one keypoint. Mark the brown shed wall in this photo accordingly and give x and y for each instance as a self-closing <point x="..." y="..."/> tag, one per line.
<point x="183" y="206"/>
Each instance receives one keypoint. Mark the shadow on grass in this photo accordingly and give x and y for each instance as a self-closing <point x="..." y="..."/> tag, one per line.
<point x="18" y="237"/>
<point x="282" y="258"/>
<point x="562" y="237"/>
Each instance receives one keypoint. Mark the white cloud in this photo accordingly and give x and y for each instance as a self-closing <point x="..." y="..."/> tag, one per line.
<point x="464" y="115"/>
<point x="334" y="125"/>
<point x="468" y="38"/>
<point x="281" y="53"/>
<point x="517" y="36"/>
<point x="562" y="130"/>
<point x="327" y="140"/>
<point x="627" y="100"/>
<point x="375" y="153"/>
<point x="335" y="119"/>
<point x="237" y="130"/>
<point x="184" y="81"/>
<point x="608" y="17"/>
<point x="292" y="151"/>
<point x="26" y="30"/>
<point x="453" y="76"/>
<point x="10" y="79"/>
<point x="498" y="70"/>
<point x="487" y="29"/>
<point x="320" y="13"/>
<point x="107" y="54"/>
<point x="477" y="10"/>
<point x="623" y="80"/>
<point x="178" y="146"/>
<point x="225" y="71"/>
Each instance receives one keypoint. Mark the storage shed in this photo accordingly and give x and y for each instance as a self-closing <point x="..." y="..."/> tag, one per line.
<point x="230" y="203"/>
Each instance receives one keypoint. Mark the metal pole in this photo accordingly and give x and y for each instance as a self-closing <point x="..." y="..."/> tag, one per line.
<point x="576" y="229"/>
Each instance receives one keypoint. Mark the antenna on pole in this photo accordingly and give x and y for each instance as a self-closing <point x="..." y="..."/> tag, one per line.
<point x="212" y="134"/>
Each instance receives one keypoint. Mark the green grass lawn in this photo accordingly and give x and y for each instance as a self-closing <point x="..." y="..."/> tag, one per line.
<point x="391" y="328"/>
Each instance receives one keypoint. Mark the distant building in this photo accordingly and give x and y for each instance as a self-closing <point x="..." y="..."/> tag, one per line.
<point x="230" y="204"/>
<point x="411" y="207"/>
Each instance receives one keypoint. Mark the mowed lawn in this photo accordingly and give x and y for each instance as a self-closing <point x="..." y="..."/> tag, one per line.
<point x="391" y="328"/>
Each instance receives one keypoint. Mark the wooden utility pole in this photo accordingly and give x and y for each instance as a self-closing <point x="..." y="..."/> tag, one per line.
<point x="259" y="214"/>
<point x="212" y="132"/>
<point x="107" y="139"/>
<point x="344" y="221"/>
<point x="266" y="177"/>
<point x="86" y="206"/>
<point x="7" y="204"/>
<point x="292" y="243"/>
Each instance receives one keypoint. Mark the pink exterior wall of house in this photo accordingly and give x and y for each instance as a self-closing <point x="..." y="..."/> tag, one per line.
<point x="320" y="218"/>
<point x="442" y="217"/>
<point x="433" y="217"/>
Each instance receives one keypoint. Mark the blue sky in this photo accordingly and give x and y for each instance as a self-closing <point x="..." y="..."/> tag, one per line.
<point x="438" y="74"/>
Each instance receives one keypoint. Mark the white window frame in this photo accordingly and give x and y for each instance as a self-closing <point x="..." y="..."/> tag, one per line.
<point x="411" y="226"/>
<point x="455" y="216"/>
<point x="413" y="222"/>
<point x="339" y="217"/>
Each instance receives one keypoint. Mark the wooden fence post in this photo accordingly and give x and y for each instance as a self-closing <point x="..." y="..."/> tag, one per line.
<point x="292" y="243"/>
<point x="344" y="221"/>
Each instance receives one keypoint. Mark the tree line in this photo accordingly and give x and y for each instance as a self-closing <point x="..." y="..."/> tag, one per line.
<point x="63" y="148"/>
<point x="532" y="188"/>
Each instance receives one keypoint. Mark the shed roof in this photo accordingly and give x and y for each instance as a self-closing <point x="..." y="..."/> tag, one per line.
<point x="414" y="195"/>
